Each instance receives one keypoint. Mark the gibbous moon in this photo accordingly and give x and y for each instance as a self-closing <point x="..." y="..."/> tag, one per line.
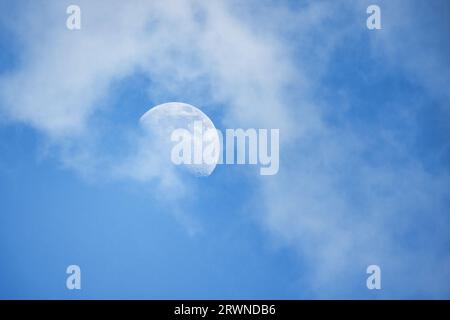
<point x="161" y="120"/>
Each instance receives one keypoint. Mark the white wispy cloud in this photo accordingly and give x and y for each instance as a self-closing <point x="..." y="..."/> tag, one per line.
<point x="338" y="208"/>
<point x="67" y="75"/>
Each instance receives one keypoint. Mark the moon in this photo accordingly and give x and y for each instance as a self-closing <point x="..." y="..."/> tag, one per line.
<point x="161" y="120"/>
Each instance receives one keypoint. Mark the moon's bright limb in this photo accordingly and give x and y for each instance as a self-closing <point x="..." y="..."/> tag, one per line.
<point x="163" y="119"/>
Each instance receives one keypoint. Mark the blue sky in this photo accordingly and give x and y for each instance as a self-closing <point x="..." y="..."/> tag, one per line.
<point x="364" y="139"/>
